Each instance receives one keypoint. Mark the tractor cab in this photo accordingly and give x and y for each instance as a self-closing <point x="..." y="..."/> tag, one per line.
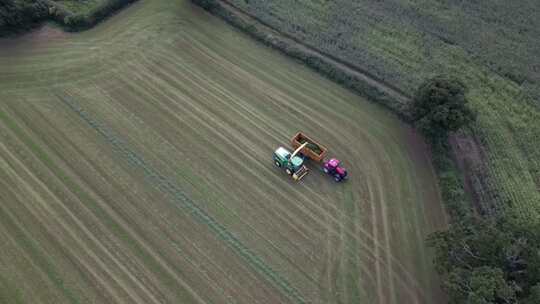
<point x="334" y="168"/>
<point x="292" y="163"/>
<point x="283" y="156"/>
<point x="332" y="164"/>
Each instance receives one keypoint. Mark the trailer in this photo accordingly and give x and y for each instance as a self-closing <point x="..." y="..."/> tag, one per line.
<point x="312" y="149"/>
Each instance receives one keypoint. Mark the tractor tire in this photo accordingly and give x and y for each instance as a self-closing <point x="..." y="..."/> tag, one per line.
<point x="289" y="171"/>
<point x="337" y="178"/>
<point x="278" y="164"/>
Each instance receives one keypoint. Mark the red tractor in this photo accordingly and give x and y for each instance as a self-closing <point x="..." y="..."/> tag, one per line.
<point x="334" y="168"/>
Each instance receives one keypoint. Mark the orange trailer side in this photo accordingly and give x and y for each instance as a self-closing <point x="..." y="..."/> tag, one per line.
<point x="313" y="150"/>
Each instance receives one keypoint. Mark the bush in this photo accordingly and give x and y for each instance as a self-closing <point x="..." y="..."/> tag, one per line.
<point x="440" y="107"/>
<point x="20" y="15"/>
<point x="489" y="261"/>
<point x="77" y="21"/>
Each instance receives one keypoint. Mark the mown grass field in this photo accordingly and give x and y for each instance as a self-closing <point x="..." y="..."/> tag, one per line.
<point x="492" y="46"/>
<point x="136" y="168"/>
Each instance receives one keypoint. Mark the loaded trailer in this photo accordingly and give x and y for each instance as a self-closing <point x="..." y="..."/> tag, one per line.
<point x="311" y="149"/>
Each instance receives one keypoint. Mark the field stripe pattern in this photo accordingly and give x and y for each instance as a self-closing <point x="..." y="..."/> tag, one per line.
<point x="136" y="168"/>
<point x="166" y="186"/>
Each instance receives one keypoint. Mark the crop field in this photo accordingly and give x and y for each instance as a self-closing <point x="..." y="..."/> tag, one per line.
<point x="135" y="167"/>
<point x="492" y="46"/>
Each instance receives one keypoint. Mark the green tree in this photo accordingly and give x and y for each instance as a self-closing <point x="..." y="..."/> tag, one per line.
<point x="482" y="285"/>
<point x="440" y="106"/>
<point x="488" y="261"/>
<point x="17" y="15"/>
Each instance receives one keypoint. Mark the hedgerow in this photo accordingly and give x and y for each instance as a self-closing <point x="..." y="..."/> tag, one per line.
<point x="16" y="16"/>
<point x="488" y="30"/>
<point x="19" y="15"/>
<point x="315" y="62"/>
<point x="76" y="21"/>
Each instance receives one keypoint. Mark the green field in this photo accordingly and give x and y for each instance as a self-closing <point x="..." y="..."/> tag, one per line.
<point x="492" y="46"/>
<point x="135" y="167"/>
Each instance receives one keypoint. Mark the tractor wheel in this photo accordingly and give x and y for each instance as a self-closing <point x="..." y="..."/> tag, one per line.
<point x="326" y="170"/>
<point x="278" y="164"/>
<point x="289" y="171"/>
<point x="337" y="178"/>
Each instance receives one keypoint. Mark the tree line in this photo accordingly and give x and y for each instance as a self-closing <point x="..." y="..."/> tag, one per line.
<point x="489" y="261"/>
<point x="481" y="260"/>
<point x="20" y="15"/>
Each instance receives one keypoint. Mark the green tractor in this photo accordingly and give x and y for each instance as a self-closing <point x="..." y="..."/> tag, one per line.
<point x="292" y="163"/>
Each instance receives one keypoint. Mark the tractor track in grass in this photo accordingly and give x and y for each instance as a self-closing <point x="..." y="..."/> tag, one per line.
<point x="388" y="259"/>
<point x="196" y="115"/>
<point x="71" y="190"/>
<point x="113" y="289"/>
<point x="204" y="107"/>
<point x="163" y="184"/>
<point x="385" y="250"/>
<point x="164" y="142"/>
<point x="199" y="251"/>
<point x="138" y="288"/>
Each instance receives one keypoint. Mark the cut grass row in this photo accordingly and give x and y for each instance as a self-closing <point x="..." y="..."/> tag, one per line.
<point x="29" y="245"/>
<point x="184" y="202"/>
